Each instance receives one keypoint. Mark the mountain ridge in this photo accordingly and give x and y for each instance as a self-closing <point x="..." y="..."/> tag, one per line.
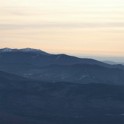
<point x="59" y="67"/>
<point x="56" y="56"/>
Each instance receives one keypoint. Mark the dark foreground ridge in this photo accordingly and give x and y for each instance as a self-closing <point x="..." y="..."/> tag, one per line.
<point x="23" y="101"/>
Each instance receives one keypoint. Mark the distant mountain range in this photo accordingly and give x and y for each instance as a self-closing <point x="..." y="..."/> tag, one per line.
<point x="114" y="63"/>
<point x="42" y="66"/>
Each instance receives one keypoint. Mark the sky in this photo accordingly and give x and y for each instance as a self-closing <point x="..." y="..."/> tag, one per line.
<point x="78" y="27"/>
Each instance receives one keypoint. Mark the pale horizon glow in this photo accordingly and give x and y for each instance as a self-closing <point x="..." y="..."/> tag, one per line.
<point x="79" y="27"/>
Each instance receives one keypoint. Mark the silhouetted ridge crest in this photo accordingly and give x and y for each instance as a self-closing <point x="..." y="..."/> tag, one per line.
<point x="24" y="50"/>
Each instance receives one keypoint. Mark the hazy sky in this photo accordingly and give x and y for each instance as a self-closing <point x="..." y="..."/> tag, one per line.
<point x="91" y="27"/>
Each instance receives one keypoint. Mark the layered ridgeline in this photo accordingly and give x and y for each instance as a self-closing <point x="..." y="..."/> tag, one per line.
<point x="40" y="65"/>
<point x="24" y="101"/>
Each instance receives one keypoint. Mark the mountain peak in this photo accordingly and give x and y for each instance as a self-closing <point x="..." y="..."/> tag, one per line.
<point x="32" y="50"/>
<point x="6" y="50"/>
<point x="25" y="50"/>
